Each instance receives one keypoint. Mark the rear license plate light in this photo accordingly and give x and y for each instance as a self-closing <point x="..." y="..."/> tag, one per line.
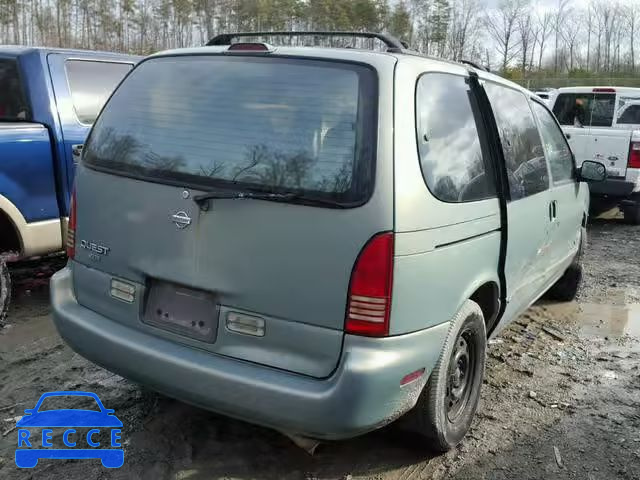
<point x="245" y="324"/>
<point x="123" y="290"/>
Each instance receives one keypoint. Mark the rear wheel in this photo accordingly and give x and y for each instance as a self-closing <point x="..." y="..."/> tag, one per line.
<point x="632" y="214"/>
<point x="446" y="406"/>
<point x="5" y="290"/>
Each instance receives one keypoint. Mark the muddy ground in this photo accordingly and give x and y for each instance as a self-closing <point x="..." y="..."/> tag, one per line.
<point x="561" y="399"/>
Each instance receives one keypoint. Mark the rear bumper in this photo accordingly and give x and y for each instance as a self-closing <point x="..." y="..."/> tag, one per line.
<point x="363" y="394"/>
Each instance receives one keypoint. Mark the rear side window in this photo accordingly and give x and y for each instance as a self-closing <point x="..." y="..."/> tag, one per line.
<point x="91" y="83"/>
<point x="585" y="109"/>
<point x="556" y="147"/>
<point x="628" y="110"/>
<point x="273" y="124"/>
<point x="13" y="103"/>
<point x="523" y="152"/>
<point x="451" y="154"/>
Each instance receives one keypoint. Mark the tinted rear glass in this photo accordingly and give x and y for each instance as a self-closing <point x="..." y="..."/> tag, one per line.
<point x="628" y="110"/>
<point x="91" y="83"/>
<point x="13" y="104"/>
<point x="585" y="109"/>
<point x="451" y="154"/>
<point x="272" y="123"/>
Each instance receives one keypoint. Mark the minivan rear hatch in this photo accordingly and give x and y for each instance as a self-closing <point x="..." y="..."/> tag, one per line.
<point x="235" y="193"/>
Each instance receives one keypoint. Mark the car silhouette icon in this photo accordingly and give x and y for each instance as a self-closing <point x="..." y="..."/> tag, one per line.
<point x="69" y="419"/>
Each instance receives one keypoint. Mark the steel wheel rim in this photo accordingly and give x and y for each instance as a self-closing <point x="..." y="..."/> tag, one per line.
<point x="460" y="376"/>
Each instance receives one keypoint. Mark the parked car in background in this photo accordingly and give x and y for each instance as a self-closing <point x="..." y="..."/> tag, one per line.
<point x="48" y="100"/>
<point x="603" y="124"/>
<point x="339" y="260"/>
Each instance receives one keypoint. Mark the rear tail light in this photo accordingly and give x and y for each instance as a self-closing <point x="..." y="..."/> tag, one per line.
<point x="604" y="90"/>
<point x="249" y="47"/>
<point x="71" y="228"/>
<point x="370" y="289"/>
<point x="634" y="155"/>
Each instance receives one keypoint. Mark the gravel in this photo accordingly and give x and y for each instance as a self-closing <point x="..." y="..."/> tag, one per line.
<point x="559" y="406"/>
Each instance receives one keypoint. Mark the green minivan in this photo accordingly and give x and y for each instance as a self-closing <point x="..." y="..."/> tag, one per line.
<point x="317" y="240"/>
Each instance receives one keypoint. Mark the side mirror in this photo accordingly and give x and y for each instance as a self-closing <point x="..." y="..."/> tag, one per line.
<point x="591" y="171"/>
<point x="29" y="411"/>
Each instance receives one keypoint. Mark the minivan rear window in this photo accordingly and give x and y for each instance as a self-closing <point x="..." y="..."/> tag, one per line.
<point x="276" y="124"/>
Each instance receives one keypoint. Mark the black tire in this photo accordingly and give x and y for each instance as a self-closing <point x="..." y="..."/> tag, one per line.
<point x="438" y="417"/>
<point x="631" y="214"/>
<point x="5" y="291"/>
<point x="567" y="286"/>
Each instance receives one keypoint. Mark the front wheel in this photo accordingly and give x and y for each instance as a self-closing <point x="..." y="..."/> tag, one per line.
<point x="5" y="290"/>
<point x="446" y="406"/>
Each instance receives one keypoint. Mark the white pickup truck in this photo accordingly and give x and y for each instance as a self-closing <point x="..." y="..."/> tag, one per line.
<point x="603" y="124"/>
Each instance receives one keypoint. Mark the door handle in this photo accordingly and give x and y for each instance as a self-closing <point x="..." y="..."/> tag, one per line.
<point x="568" y="135"/>
<point x="553" y="210"/>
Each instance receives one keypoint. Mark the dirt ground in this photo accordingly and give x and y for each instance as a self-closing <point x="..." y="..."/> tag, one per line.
<point x="561" y="399"/>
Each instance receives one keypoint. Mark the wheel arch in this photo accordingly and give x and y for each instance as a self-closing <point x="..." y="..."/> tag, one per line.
<point x="487" y="296"/>
<point x="11" y="239"/>
<point x="35" y="238"/>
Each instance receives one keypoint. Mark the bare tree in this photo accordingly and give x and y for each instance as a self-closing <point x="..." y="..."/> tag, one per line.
<point x="560" y="16"/>
<point x="464" y="27"/>
<point x="571" y="29"/>
<point x="501" y="25"/>
<point x="590" y="25"/>
<point x="631" y="13"/>
<point x="526" y="38"/>
<point x="545" y="27"/>
<point x="609" y="20"/>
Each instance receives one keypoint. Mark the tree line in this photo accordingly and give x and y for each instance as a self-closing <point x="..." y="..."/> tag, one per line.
<point x="517" y="37"/>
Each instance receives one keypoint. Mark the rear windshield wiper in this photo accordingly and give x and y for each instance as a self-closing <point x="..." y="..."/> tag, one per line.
<point x="203" y="199"/>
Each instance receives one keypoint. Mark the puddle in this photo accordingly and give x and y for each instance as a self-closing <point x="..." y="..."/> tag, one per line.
<point x="26" y="334"/>
<point x="614" y="321"/>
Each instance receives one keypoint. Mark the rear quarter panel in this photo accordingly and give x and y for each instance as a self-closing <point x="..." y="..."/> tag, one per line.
<point x="444" y="251"/>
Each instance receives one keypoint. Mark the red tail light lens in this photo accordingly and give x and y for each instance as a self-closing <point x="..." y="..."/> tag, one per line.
<point x="248" y="47"/>
<point x="370" y="289"/>
<point x="634" y="155"/>
<point x="71" y="228"/>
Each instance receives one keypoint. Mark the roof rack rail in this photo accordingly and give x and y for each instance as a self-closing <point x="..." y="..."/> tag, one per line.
<point x="474" y="65"/>
<point x="390" y="41"/>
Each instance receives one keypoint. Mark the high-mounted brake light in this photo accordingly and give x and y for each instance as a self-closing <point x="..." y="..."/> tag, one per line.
<point x="71" y="228"/>
<point x="249" y="47"/>
<point x="634" y="155"/>
<point x="370" y="288"/>
<point x="604" y="90"/>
